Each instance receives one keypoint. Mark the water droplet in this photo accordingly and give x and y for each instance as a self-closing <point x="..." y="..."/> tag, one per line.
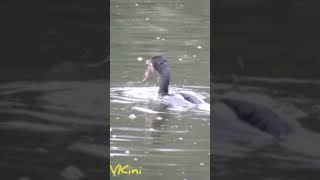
<point x="136" y="159"/>
<point x="147" y="19"/>
<point x="163" y="39"/>
<point x="139" y="58"/>
<point x="110" y="129"/>
<point x="201" y="164"/>
<point x="127" y="152"/>
<point x="132" y="116"/>
<point x="199" y="47"/>
<point x="137" y="4"/>
<point x="180" y="59"/>
<point x="180" y="138"/>
<point x="158" y="37"/>
<point x="159" y="118"/>
<point x="114" y="136"/>
<point x="195" y="143"/>
<point x="117" y="118"/>
<point x="194" y="56"/>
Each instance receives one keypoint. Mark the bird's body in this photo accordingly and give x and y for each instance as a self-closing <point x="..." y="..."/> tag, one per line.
<point x="160" y="64"/>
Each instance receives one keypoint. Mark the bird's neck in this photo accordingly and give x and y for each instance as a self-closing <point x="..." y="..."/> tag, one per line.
<point x="164" y="82"/>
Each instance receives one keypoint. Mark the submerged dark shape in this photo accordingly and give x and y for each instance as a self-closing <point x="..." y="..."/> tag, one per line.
<point x="161" y="65"/>
<point x="260" y="117"/>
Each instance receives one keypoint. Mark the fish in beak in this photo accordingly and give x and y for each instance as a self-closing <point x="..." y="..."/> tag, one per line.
<point x="149" y="71"/>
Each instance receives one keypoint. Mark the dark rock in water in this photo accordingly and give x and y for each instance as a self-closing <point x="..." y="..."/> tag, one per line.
<point x="260" y="117"/>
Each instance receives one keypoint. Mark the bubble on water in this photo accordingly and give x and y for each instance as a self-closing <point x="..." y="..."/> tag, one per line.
<point x="199" y="47"/>
<point x="159" y="118"/>
<point x="139" y="58"/>
<point x="132" y="116"/>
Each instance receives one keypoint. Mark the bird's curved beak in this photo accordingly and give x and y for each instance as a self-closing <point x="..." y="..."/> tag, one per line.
<point x="149" y="71"/>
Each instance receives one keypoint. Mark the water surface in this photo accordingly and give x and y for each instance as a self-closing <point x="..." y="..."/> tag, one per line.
<point x="167" y="142"/>
<point x="240" y="150"/>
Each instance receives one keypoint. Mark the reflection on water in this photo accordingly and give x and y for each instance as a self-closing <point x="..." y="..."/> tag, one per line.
<point x="168" y="142"/>
<point x="240" y="150"/>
